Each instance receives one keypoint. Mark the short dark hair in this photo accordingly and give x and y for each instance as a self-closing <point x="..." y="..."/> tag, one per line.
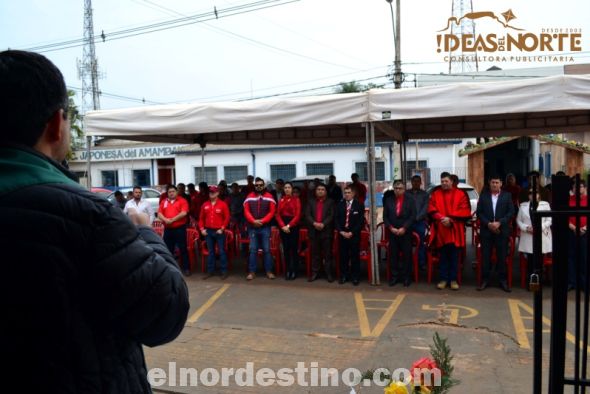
<point x="136" y="187"/>
<point x="445" y="174"/>
<point x="321" y="185"/>
<point x="288" y="183"/>
<point x="495" y="176"/>
<point x="258" y="179"/>
<point x="31" y="90"/>
<point x="118" y="193"/>
<point x="417" y="177"/>
<point x="170" y="187"/>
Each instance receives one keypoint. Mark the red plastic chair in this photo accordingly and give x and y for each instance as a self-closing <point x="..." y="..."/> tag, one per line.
<point x="415" y="252"/>
<point x="304" y="249"/>
<point x="365" y="253"/>
<point x="192" y="237"/>
<point x="493" y="260"/>
<point x="229" y="239"/>
<point x="336" y="252"/>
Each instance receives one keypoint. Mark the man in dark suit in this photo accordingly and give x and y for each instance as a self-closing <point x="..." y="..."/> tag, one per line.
<point x="350" y="218"/>
<point x="399" y="214"/>
<point x="319" y="214"/>
<point x="494" y="211"/>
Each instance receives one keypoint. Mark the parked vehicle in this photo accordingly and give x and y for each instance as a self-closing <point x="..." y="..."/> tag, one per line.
<point x="101" y="191"/>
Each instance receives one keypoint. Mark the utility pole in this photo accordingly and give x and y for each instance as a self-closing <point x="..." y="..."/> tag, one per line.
<point x="397" y="64"/>
<point x="88" y="73"/>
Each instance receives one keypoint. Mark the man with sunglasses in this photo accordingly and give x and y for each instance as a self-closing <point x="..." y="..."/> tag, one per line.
<point x="82" y="288"/>
<point x="259" y="210"/>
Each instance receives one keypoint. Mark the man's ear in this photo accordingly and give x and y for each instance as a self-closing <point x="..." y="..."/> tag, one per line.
<point x="54" y="128"/>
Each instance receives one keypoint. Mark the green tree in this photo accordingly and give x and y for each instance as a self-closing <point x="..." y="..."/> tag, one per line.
<point x="77" y="140"/>
<point x="355" y="87"/>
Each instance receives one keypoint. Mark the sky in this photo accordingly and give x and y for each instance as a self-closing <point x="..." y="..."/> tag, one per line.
<point x="297" y="47"/>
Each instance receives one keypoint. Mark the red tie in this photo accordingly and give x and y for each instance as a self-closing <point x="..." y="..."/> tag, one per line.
<point x="398" y="207"/>
<point x="348" y="204"/>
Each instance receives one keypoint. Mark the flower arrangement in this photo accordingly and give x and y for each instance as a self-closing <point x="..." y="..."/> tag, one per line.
<point x="571" y="144"/>
<point x="440" y="362"/>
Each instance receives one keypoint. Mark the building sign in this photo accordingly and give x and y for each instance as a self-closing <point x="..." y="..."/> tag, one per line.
<point x="499" y="39"/>
<point x="149" y="152"/>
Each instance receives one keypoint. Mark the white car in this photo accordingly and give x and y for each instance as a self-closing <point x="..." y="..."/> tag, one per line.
<point x="150" y="195"/>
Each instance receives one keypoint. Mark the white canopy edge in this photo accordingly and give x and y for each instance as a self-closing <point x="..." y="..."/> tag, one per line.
<point x="516" y="107"/>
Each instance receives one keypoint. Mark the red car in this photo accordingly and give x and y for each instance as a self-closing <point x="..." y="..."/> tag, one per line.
<point x="101" y="191"/>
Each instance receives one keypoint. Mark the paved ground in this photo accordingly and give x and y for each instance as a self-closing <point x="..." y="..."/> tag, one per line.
<point x="277" y="324"/>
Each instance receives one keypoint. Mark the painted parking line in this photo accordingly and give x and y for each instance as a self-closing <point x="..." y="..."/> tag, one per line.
<point x="517" y="308"/>
<point x="362" y="308"/>
<point x="453" y="311"/>
<point x="199" y="312"/>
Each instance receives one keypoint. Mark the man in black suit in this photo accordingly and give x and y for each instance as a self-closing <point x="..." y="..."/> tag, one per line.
<point x="319" y="214"/>
<point x="350" y="218"/>
<point x="494" y="211"/>
<point x="399" y="214"/>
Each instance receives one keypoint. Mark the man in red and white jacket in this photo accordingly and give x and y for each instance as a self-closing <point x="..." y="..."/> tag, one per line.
<point x="259" y="209"/>
<point x="213" y="220"/>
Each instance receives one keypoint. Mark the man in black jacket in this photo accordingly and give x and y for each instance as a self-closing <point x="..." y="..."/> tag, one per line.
<point x="494" y="211"/>
<point x="350" y="218"/>
<point x="319" y="214"/>
<point x="82" y="288"/>
<point x="399" y="214"/>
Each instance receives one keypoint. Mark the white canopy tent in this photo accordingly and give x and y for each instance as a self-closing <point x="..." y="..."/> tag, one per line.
<point x="506" y="108"/>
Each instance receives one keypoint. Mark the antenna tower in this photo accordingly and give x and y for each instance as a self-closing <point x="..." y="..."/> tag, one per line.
<point x="88" y="67"/>
<point x="460" y="62"/>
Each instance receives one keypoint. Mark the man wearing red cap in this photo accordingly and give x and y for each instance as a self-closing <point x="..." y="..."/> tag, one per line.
<point x="213" y="220"/>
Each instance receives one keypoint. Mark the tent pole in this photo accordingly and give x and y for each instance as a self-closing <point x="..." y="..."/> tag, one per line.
<point x="370" y="131"/>
<point x="88" y="173"/>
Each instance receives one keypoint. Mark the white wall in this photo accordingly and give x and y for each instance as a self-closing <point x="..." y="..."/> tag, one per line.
<point x="124" y="170"/>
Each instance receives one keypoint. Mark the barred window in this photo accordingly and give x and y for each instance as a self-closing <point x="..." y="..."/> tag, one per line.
<point x="283" y="171"/>
<point x="141" y="178"/>
<point x="319" y="168"/>
<point x="210" y="175"/>
<point x="110" y="178"/>
<point x="234" y="173"/>
<point x="361" y="169"/>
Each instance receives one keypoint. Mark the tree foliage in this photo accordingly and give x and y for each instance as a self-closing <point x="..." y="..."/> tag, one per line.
<point x="355" y="87"/>
<point x="77" y="135"/>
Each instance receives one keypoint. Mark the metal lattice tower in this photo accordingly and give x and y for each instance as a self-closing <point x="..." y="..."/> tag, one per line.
<point x="88" y="67"/>
<point x="458" y="9"/>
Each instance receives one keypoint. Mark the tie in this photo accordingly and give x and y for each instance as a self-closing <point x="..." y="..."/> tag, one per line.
<point x="348" y="204"/>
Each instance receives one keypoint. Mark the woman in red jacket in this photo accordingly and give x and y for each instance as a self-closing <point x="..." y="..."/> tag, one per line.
<point x="288" y="216"/>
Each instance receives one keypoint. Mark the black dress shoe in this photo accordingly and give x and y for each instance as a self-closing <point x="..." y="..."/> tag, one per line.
<point x="355" y="282"/>
<point x="483" y="285"/>
<point x="393" y="282"/>
<point x="312" y="278"/>
<point x="293" y="275"/>
<point x="342" y="280"/>
<point x="407" y="282"/>
<point x="504" y="286"/>
<point x="287" y="276"/>
<point x="570" y="287"/>
<point x="330" y="278"/>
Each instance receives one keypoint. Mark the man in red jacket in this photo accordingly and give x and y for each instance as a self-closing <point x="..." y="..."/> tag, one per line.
<point x="448" y="208"/>
<point x="259" y="209"/>
<point x="213" y="220"/>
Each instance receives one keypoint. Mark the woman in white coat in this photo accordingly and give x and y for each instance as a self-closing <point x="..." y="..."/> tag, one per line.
<point x="524" y="223"/>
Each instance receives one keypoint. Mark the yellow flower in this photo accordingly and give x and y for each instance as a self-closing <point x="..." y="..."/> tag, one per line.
<point x="424" y="390"/>
<point x="396" y="388"/>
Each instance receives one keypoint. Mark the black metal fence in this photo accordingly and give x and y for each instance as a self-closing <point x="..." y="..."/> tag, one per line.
<point x="569" y="272"/>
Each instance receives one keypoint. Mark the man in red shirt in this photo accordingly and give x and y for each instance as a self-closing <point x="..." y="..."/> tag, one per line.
<point x="173" y="212"/>
<point x="213" y="220"/>
<point x="448" y="209"/>
<point x="359" y="188"/>
<point x="578" y="239"/>
<point x="259" y="210"/>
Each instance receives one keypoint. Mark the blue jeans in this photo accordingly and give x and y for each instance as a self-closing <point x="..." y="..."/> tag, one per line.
<point x="420" y="229"/>
<point x="259" y="239"/>
<point x="212" y="238"/>
<point x="448" y="263"/>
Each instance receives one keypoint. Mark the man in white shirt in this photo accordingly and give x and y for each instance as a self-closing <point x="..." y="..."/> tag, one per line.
<point x="139" y="211"/>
